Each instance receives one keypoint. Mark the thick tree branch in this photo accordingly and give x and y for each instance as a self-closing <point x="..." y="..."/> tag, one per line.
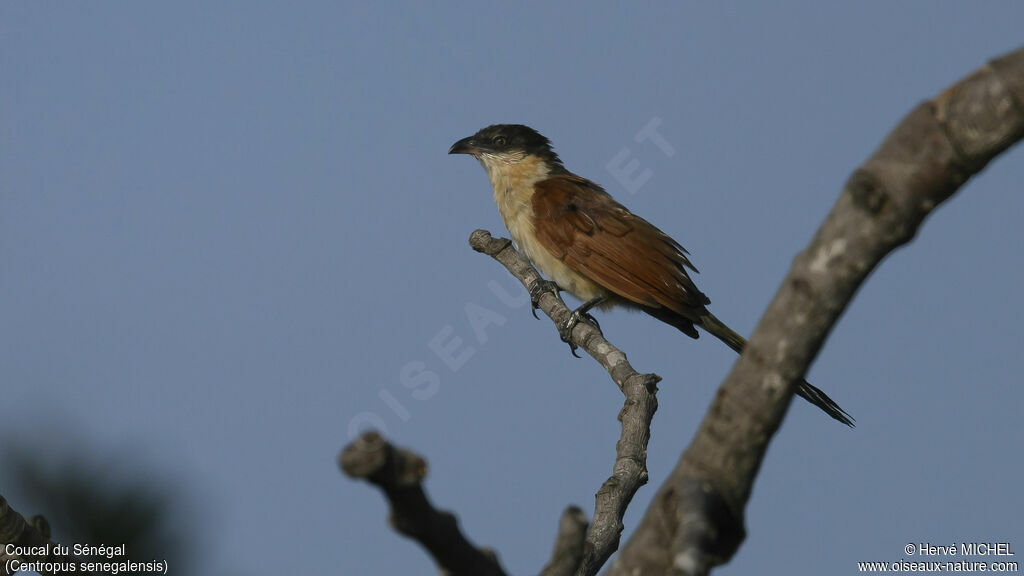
<point x="630" y="469"/>
<point x="399" y="474"/>
<point x="696" y="520"/>
<point x="31" y="536"/>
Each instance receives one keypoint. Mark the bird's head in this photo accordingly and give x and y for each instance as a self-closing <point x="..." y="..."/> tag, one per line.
<point x="508" y="147"/>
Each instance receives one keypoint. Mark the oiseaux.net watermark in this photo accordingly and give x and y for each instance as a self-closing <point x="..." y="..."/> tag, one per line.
<point x="962" y="557"/>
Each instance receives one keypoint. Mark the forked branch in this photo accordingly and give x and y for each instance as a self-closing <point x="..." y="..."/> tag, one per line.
<point x="696" y="520"/>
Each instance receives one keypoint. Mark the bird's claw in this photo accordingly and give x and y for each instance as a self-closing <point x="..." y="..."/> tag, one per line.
<point x="565" y="327"/>
<point x="537" y="290"/>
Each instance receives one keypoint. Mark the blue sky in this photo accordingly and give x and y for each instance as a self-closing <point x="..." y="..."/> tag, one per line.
<point x="227" y="228"/>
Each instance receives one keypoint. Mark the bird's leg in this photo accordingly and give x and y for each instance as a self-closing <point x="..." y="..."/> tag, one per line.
<point x="537" y="289"/>
<point x="580" y="314"/>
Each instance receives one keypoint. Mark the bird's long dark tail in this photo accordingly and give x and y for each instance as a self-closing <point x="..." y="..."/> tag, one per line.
<point x="719" y="330"/>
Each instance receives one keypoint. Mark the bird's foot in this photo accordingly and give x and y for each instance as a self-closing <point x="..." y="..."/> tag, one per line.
<point x="537" y="290"/>
<point x="578" y="315"/>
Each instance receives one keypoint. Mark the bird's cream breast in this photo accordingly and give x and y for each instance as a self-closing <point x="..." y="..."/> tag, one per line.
<point x="513" y="193"/>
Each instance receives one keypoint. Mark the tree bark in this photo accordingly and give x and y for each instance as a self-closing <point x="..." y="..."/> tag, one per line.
<point x="399" y="473"/>
<point x="697" y="518"/>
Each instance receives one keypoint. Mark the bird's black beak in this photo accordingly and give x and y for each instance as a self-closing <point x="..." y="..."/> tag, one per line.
<point x="464" y="146"/>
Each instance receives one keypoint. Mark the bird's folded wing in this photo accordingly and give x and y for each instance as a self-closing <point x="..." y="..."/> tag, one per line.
<point x="584" y="227"/>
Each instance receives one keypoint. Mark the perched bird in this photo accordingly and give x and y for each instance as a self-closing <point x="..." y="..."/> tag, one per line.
<point x="591" y="246"/>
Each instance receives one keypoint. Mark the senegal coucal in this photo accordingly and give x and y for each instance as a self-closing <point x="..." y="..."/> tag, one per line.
<point x="593" y="247"/>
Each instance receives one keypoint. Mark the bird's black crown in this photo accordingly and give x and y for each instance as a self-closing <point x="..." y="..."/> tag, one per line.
<point x="516" y="137"/>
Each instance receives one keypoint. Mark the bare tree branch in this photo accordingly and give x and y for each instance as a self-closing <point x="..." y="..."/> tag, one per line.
<point x="32" y="537"/>
<point x="399" y="473"/>
<point x="630" y="469"/>
<point x="569" y="543"/>
<point x="696" y="520"/>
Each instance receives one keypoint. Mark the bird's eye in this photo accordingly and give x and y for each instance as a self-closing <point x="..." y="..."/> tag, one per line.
<point x="500" y="141"/>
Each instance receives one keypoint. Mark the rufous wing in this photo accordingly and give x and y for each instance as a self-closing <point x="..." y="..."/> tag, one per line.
<point x="583" y="226"/>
